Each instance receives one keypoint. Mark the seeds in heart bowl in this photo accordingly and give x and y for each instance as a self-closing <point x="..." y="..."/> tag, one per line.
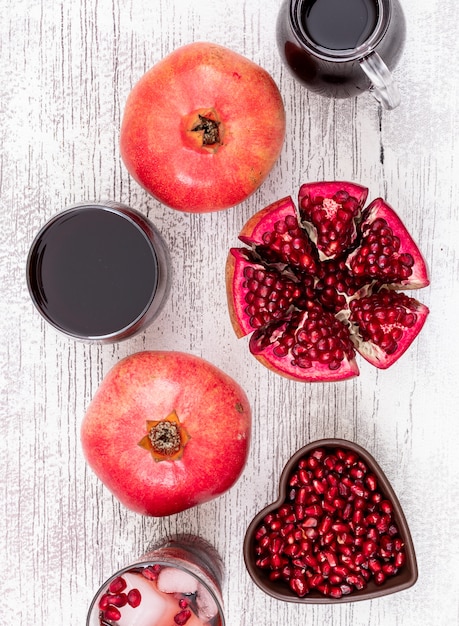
<point x="337" y="533"/>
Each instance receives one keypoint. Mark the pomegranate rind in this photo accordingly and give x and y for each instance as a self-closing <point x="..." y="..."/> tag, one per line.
<point x="263" y="223"/>
<point x="324" y="193"/>
<point x="375" y="354"/>
<point x="235" y="293"/>
<point x="380" y="209"/>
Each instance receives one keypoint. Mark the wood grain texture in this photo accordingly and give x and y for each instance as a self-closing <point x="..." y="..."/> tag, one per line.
<point x="66" y="69"/>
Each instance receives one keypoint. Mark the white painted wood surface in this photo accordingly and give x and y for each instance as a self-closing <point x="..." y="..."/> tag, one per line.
<point x="66" y="69"/>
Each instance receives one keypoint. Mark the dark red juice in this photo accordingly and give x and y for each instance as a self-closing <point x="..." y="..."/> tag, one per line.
<point x="339" y="24"/>
<point x="92" y="272"/>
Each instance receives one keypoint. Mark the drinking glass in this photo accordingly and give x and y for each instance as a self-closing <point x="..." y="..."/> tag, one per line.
<point x="99" y="272"/>
<point x="178" y="581"/>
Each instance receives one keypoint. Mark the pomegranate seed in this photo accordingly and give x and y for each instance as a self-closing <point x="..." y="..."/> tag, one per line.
<point x="320" y="485"/>
<point x="112" y="613"/>
<point x="278" y="562"/>
<point x="134" y="598"/>
<point x="356" y="472"/>
<point x="325" y="524"/>
<point x="315" y="510"/>
<point x="104" y="601"/>
<point x="182" y="617"/>
<point x="333" y="480"/>
<point x="304" y="477"/>
<point x="369" y="548"/>
<point x="400" y="558"/>
<point x="284" y="511"/>
<point x="383" y="523"/>
<point x="335" y="579"/>
<point x="398" y="543"/>
<point x="345" y="589"/>
<point x="335" y="592"/>
<point x="347" y="511"/>
<point x="366" y="574"/>
<point x="389" y="569"/>
<point x="356" y="581"/>
<point x="316" y="580"/>
<point x="380" y="577"/>
<point x="373" y="534"/>
<point x="372" y="519"/>
<point x="292" y="550"/>
<point x="386" y="507"/>
<point x="374" y="565"/>
<point x="328" y="538"/>
<point x="276" y="545"/>
<point x="261" y="531"/>
<point x="299" y="586"/>
<point x="287" y="530"/>
<point x="119" y="600"/>
<point x="301" y="495"/>
<point x="117" y="585"/>
<point x="324" y="588"/>
<point x="360" y="560"/>
<point x="332" y="493"/>
<point x="345" y="550"/>
<point x="371" y="482"/>
<point x="151" y="572"/>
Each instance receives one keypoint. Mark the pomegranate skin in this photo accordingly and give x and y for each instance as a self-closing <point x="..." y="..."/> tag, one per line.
<point x="162" y="141"/>
<point x="149" y="386"/>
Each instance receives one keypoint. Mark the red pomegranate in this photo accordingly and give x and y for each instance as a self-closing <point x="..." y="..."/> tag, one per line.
<point x="166" y="431"/>
<point x="320" y="281"/>
<point x="203" y="128"/>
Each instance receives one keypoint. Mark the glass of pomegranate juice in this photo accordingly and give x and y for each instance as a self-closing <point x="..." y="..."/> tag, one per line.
<point x="98" y="272"/>
<point x="178" y="581"/>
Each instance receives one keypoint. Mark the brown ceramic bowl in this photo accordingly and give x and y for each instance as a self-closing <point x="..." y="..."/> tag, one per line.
<point x="403" y="579"/>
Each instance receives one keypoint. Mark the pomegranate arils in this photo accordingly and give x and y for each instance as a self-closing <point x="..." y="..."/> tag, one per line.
<point x="336" y="265"/>
<point x="329" y="212"/>
<point x="182" y="617"/>
<point x="331" y="545"/>
<point x="112" y="613"/>
<point x="313" y="340"/>
<point x="117" y="585"/>
<point x="134" y="598"/>
<point x="385" y="325"/>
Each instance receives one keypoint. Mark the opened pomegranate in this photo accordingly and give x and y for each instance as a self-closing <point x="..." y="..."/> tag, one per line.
<point x="320" y="281"/>
<point x="336" y="531"/>
<point x="166" y="431"/>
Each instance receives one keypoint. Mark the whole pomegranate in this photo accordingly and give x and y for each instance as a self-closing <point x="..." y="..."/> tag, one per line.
<point x="319" y="281"/>
<point x="166" y="431"/>
<point x="202" y="128"/>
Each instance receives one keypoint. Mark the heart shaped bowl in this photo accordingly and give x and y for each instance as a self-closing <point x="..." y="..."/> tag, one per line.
<point x="337" y="533"/>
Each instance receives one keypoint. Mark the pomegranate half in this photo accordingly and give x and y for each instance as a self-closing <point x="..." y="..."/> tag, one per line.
<point x="166" y="431"/>
<point x="320" y="281"/>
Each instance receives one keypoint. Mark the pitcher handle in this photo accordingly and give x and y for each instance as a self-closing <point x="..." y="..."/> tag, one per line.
<point x="383" y="86"/>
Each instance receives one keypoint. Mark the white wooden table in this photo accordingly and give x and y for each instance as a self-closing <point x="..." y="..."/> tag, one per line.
<point x="66" y="68"/>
